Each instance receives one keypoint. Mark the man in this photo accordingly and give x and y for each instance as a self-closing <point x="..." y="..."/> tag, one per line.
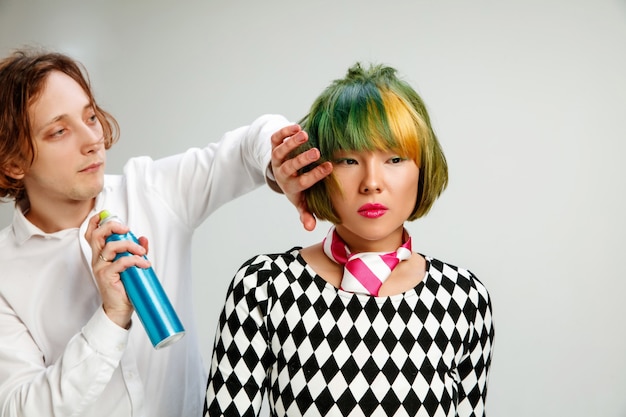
<point x="68" y="344"/>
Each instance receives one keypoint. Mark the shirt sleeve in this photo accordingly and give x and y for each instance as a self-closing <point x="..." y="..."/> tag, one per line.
<point x="474" y="367"/>
<point x="29" y="388"/>
<point x="199" y="181"/>
<point x="241" y="357"/>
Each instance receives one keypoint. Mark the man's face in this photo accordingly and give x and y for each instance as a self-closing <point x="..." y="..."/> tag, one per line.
<point x="70" y="154"/>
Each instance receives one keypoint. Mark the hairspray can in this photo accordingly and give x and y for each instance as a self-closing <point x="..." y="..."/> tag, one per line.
<point x="145" y="292"/>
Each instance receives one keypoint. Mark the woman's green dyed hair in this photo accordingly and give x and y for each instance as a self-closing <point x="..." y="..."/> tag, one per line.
<point x="372" y="109"/>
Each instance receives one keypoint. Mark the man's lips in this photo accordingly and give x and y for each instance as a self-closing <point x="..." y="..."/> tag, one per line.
<point x="91" y="168"/>
<point x="372" y="211"/>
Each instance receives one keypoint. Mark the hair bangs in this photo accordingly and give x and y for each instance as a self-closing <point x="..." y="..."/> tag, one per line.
<point x="356" y="120"/>
<point x="405" y="125"/>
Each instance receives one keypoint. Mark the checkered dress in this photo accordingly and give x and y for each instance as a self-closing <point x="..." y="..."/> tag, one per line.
<point x="320" y="351"/>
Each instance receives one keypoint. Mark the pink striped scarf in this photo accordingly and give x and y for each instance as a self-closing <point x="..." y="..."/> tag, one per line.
<point x="364" y="272"/>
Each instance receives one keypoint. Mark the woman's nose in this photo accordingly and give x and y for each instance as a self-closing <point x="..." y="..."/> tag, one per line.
<point x="372" y="180"/>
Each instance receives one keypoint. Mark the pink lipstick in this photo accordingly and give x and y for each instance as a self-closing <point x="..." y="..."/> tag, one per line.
<point x="372" y="210"/>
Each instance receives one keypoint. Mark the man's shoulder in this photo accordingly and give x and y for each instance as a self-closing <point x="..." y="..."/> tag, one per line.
<point x="7" y="250"/>
<point x="6" y="234"/>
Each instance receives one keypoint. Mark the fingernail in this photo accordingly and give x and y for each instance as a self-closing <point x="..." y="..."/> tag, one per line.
<point x="300" y="137"/>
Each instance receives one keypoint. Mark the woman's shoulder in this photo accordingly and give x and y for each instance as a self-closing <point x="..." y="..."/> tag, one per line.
<point x="278" y="261"/>
<point x="454" y="278"/>
<point x="263" y="258"/>
<point x="268" y="271"/>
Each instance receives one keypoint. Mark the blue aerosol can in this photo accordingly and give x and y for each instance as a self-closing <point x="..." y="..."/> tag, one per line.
<point x="145" y="292"/>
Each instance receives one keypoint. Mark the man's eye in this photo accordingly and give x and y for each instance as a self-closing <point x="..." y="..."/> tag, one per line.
<point x="92" y="118"/>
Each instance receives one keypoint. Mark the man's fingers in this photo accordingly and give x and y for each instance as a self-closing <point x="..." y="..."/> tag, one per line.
<point x="308" y="221"/>
<point x="281" y="150"/>
<point x="299" y="183"/>
<point x="307" y="218"/>
<point x="91" y="226"/>
<point x="307" y="179"/>
<point x="291" y="167"/>
<point x="279" y="137"/>
<point x="143" y="241"/>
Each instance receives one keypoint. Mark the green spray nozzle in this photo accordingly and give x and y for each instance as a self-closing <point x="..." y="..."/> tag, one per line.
<point x="104" y="214"/>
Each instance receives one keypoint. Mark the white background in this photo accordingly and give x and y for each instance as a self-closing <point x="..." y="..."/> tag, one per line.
<point x="528" y="99"/>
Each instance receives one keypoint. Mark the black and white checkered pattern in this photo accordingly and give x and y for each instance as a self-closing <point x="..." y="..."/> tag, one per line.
<point x="319" y="351"/>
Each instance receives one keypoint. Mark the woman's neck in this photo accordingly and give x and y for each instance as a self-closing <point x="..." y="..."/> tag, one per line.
<point x="357" y="243"/>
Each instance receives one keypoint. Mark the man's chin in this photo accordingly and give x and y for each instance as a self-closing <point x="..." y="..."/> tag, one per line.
<point x="88" y="193"/>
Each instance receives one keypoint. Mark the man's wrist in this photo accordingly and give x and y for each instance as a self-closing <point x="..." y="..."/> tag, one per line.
<point x="271" y="180"/>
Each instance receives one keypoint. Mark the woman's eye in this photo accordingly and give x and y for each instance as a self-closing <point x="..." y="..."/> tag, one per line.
<point x="396" y="159"/>
<point x="346" y="161"/>
<point x="93" y="118"/>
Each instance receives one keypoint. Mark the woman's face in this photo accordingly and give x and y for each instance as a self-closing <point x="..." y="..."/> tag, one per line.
<point x="379" y="194"/>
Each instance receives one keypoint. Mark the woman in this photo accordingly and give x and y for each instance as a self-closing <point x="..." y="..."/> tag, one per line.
<point x="359" y="324"/>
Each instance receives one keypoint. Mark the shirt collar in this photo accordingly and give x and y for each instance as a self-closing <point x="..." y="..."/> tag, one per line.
<point x="24" y="229"/>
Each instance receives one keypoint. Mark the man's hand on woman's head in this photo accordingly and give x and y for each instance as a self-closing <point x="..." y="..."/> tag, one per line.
<point x="285" y="170"/>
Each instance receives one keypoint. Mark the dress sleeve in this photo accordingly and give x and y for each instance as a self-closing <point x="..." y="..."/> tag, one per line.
<point x="241" y="355"/>
<point x="29" y="388"/>
<point x="197" y="182"/>
<point x="474" y="367"/>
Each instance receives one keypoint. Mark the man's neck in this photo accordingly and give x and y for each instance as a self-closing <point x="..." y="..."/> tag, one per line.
<point x="59" y="217"/>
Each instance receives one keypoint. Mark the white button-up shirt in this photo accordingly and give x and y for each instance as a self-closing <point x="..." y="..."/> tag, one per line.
<point x="60" y="355"/>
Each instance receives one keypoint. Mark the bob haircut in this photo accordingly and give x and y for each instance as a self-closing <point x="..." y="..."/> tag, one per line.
<point x="371" y="109"/>
<point x="23" y="75"/>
